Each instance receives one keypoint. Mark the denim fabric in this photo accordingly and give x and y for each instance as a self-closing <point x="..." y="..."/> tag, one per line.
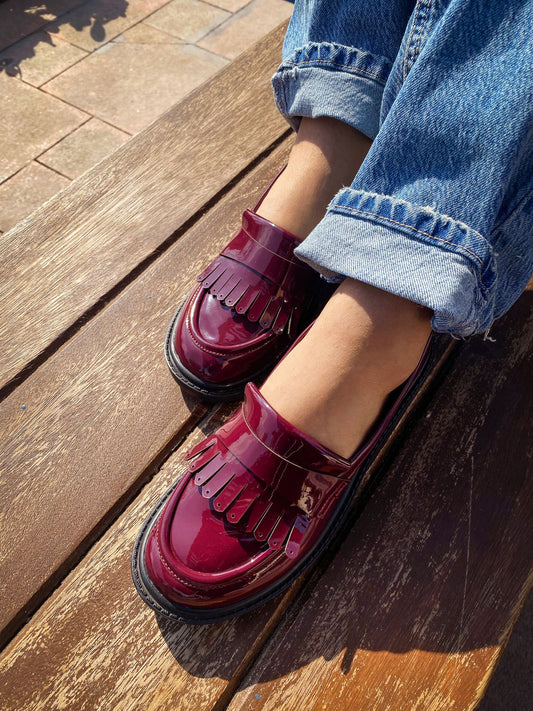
<point x="441" y="211"/>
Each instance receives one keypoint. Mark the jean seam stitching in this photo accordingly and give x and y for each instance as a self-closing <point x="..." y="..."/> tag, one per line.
<point x="408" y="44"/>
<point x="285" y="89"/>
<point x="415" y="229"/>
<point x="418" y="25"/>
<point x="421" y="33"/>
<point x="353" y="69"/>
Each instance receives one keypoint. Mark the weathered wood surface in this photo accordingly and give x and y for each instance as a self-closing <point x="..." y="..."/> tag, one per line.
<point x="100" y="415"/>
<point x="57" y="264"/>
<point x="511" y="686"/>
<point x="416" y="608"/>
<point x="412" y="612"/>
<point x="95" y="645"/>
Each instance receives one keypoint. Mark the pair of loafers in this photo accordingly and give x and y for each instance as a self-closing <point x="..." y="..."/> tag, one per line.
<point x="260" y="500"/>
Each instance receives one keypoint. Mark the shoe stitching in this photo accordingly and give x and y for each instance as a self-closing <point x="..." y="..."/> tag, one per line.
<point x="189" y="584"/>
<point x="218" y="353"/>
<point x="163" y="560"/>
<point x="284" y="459"/>
<point x="290" y="261"/>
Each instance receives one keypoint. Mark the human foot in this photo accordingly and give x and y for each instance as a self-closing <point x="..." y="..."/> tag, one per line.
<point x="271" y="489"/>
<point x="256" y="296"/>
<point x="333" y="384"/>
<point x="250" y="304"/>
<point x="258" y="504"/>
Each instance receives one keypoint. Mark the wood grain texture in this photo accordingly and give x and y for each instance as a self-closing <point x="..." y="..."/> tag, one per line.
<point x="96" y="645"/>
<point x="100" y="415"/>
<point x="511" y="686"/>
<point x="67" y="255"/>
<point x="417" y="606"/>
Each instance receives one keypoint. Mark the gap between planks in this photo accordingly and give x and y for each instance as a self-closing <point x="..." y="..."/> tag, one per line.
<point x="106" y="298"/>
<point x="421" y="598"/>
<point x="61" y="260"/>
<point x="101" y="414"/>
<point x="95" y="643"/>
<point x="96" y="615"/>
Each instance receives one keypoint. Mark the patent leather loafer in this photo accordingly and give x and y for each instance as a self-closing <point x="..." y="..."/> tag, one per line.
<point x="249" y="305"/>
<point x="257" y="505"/>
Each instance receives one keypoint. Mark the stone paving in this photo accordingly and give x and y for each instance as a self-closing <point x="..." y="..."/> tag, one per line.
<point x="78" y="78"/>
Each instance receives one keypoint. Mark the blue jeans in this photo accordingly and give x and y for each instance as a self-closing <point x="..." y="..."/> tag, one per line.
<point x="441" y="211"/>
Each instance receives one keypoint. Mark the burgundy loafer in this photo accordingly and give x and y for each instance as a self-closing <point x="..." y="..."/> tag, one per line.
<point x="256" y="507"/>
<point x="250" y="304"/>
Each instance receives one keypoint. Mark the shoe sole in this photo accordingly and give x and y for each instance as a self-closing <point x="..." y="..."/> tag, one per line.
<point x="210" y="392"/>
<point x="332" y="534"/>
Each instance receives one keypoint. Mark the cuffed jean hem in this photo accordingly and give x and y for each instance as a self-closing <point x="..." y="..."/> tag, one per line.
<point x="410" y="251"/>
<point x="325" y="79"/>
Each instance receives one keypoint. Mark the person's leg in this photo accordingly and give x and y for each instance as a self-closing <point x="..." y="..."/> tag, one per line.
<point x="248" y="307"/>
<point x="428" y="215"/>
<point x="326" y="155"/>
<point x="366" y="342"/>
<point x="440" y="214"/>
<point x="332" y="385"/>
<point x="432" y="218"/>
<point x="336" y="60"/>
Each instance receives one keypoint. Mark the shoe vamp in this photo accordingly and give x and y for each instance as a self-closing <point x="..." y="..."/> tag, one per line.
<point x="202" y="539"/>
<point x="218" y="324"/>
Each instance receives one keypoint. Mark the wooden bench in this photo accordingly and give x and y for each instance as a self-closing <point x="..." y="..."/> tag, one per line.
<point x="415" y="607"/>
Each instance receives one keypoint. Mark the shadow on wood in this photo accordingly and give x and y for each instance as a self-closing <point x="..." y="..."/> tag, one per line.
<point x="431" y="572"/>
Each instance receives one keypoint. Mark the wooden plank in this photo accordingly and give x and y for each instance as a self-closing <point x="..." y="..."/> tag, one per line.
<point x="96" y="645"/>
<point x="511" y="686"/>
<point x="416" y="608"/>
<point x="100" y="416"/>
<point x="69" y="254"/>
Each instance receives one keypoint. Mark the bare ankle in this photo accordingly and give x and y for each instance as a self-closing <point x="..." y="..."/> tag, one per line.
<point x="365" y="343"/>
<point x="326" y="155"/>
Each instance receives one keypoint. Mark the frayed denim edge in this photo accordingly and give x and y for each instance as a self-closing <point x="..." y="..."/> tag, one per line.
<point x="434" y="275"/>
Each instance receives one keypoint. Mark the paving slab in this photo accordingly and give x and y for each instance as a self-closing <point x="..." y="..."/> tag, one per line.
<point x="246" y="27"/>
<point x="39" y="57"/>
<point x="18" y="19"/>
<point x="130" y="84"/>
<point x="230" y="5"/>
<point x="98" y="21"/>
<point x="141" y="33"/>
<point x="187" y="19"/>
<point x="32" y="121"/>
<point x="26" y="191"/>
<point x="83" y="148"/>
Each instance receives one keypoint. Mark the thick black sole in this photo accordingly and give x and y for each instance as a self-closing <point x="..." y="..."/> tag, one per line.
<point x="207" y="391"/>
<point x="330" y="537"/>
